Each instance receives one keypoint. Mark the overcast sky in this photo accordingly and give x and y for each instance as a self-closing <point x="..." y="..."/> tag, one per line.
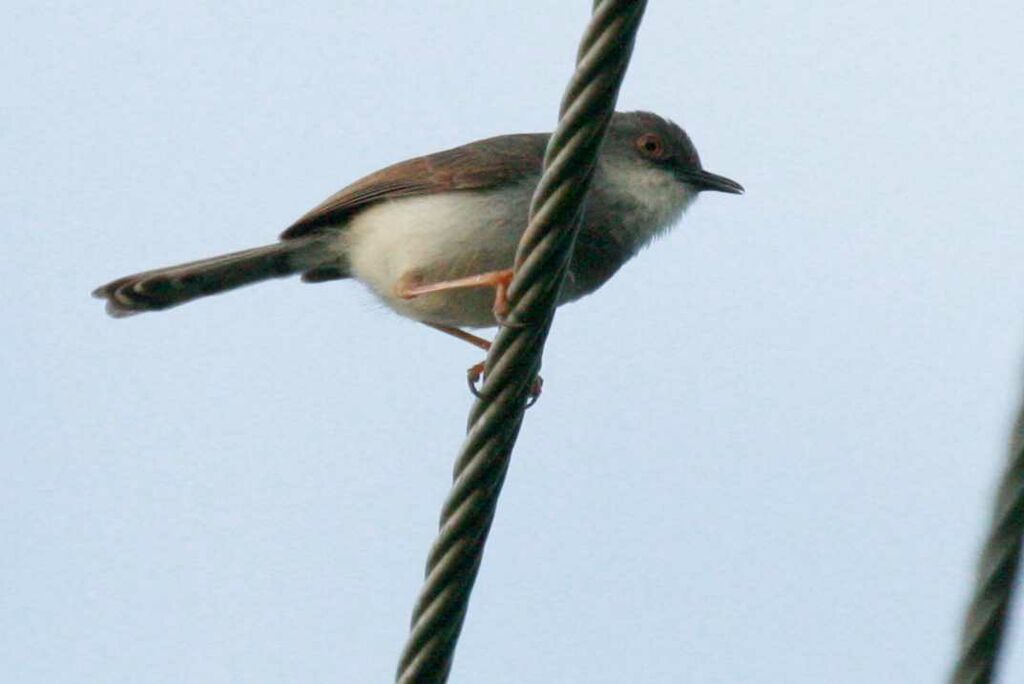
<point x="765" y="451"/>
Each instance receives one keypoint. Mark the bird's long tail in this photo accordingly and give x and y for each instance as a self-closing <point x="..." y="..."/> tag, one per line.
<point x="163" y="288"/>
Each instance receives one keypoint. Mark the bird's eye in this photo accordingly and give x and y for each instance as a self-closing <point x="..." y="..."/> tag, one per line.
<point x="650" y="145"/>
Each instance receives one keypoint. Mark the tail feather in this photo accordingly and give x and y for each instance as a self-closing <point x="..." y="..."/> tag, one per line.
<point x="163" y="288"/>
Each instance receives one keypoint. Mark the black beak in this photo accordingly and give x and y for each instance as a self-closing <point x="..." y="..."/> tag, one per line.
<point x="705" y="180"/>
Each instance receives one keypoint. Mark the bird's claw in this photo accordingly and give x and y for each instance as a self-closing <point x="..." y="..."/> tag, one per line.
<point x="535" y="389"/>
<point x="502" y="318"/>
<point x="476" y="373"/>
<point x="473" y="376"/>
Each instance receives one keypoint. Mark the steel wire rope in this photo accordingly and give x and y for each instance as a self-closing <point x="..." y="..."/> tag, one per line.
<point x="984" y="628"/>
<point x="514" y="360"/>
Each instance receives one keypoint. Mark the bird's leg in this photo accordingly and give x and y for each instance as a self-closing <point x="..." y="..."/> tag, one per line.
<point x="459" y="333"/>
<point x="476" y="371"/>
<point x="499" y="280"/>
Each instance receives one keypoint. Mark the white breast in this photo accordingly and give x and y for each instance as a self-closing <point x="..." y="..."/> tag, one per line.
<point x="432" y="238"/>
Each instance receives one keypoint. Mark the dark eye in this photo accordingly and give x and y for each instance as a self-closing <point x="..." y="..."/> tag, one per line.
<point x="650" y="145"/>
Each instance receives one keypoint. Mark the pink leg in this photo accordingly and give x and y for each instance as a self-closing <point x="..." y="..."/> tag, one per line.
<point x="499" y="280"/>
<point x="478" y="342"/>
<point x="476" y="371"/>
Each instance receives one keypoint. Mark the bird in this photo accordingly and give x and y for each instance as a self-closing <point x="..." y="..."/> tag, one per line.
<point x="434" y="237"/>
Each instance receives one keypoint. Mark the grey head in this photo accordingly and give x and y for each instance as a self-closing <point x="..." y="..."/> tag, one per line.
<point x="648" y="173"/>
<point x="649" y="140"/>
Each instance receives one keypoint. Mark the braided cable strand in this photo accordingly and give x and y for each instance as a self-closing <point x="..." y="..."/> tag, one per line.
<point x="515" y="357"/>
<point x="985" y="625"/>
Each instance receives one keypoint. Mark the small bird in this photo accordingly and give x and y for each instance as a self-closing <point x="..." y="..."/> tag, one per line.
<point x="435" y="237"/>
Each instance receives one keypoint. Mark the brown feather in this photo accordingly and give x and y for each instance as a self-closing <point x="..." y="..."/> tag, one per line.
<point x="478" y="165"/>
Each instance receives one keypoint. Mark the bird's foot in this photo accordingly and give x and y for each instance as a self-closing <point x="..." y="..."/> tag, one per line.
<point x="476" y="373"/>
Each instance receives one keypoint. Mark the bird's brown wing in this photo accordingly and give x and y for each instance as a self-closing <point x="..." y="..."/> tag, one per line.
<point x="476" y="166"/>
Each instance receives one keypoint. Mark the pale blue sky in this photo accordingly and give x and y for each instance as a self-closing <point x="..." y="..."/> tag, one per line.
<point x="765" y="451"/>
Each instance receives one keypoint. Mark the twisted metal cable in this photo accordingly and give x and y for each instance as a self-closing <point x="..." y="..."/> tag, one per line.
<point x="515" y="357"/>
<point x="985" y="624"/>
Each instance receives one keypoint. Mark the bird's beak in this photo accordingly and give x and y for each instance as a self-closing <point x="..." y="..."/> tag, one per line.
<point x="705" y="180"/>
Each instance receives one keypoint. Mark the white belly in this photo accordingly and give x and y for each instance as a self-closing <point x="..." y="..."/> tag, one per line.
<point x="432" y="238"/>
